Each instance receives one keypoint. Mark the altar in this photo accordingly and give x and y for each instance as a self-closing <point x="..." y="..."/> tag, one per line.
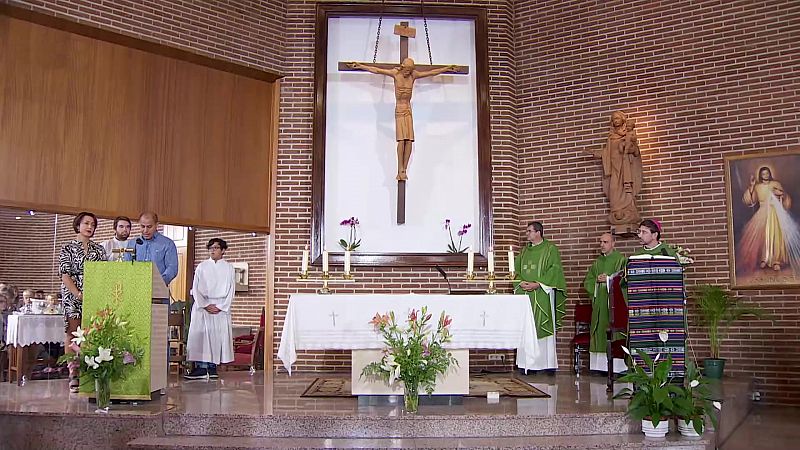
<point x="341" y="322"/>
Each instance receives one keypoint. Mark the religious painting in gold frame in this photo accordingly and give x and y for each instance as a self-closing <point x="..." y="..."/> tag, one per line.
<point x="763" y="198"/>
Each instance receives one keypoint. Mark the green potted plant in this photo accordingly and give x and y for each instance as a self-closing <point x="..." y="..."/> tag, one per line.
<point x="718" y="310"/>
<point x="693" y="403"/>
<point x="651" y="397"/>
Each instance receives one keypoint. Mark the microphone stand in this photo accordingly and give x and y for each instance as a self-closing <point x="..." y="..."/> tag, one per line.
<point x="444" y="275"/>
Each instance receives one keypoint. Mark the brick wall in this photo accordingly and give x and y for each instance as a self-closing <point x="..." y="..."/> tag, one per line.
<point x="26" y="250"/>
<point x="246" y="32"/>
<point x="704" y="80"/>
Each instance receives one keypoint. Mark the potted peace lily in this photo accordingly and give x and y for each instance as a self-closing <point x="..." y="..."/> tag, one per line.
<point x="718" y="310"/>
<point x="106" y="352"/>
<point x="693" y="403"/>
<point x="414" y="353"/>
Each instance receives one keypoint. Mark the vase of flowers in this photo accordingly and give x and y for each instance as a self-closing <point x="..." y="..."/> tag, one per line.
<point x="352" y="242"/>
<point x="452" y="247"/>
<point x="414" y="353"/>
<point x="106" y="351"/>
<point x="684" y="256"/>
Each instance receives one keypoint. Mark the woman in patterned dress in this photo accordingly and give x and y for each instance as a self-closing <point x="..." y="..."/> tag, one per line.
<point x="73" y="254"/>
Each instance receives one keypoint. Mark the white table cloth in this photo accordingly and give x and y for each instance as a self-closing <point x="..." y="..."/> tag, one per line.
<point x="341" y="322"/>
<point x="30" y="329"/>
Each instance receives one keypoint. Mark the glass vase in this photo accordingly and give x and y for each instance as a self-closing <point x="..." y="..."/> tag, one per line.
<point x="411" y="396"/>
<point x="102" y="388"/>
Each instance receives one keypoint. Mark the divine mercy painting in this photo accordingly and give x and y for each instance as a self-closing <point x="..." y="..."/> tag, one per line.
<point x="763" y="195"/>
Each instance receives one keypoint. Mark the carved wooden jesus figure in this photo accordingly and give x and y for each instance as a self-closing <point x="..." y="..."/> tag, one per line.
<point x="404" y="77"/>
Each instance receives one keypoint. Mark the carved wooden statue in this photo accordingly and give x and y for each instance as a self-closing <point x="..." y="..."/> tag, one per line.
<point x="622" y="173"/>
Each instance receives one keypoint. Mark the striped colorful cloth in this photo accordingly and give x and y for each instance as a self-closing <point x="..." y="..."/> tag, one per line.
<point x="656" y="304"/>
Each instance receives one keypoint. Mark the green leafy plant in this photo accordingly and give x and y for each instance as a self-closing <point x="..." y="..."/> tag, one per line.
<point x="107" y="349"/>
<point x="718" y="310"/>
<point x="693" y="403"/>
<point x="414" y="353"/>
<point x="651" y="397"/>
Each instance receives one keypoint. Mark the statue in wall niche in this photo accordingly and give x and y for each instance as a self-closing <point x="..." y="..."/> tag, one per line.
<point x="622" y="173"/>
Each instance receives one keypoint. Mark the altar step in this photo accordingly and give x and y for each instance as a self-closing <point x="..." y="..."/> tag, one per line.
<point x="611" y="442"/>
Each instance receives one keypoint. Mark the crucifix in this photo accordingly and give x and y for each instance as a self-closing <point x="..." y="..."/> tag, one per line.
<point x="404" y="77"/>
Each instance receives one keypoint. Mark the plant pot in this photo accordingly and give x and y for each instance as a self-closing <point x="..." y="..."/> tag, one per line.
<point x="411" y="397"/>
<point x="655" y="432"/>
<point x="102" y="388"/>
<point x="713" y="367"/>
<point x="686" y="429"/>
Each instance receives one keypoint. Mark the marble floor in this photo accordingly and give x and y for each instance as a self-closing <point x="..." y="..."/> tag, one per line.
<point x="263" y="394"/>
<point x="767" y="428"/>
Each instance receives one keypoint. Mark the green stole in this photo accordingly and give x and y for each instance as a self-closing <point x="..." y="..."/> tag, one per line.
<point x="657" y="250"/>
<point x="607" y="264"/>
<point x="542" y="263"/>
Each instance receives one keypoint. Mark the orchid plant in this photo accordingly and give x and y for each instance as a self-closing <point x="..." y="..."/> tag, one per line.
<point x="105" y="350"/>
<point x="352" y="242"/>
<point x="452" y="247"/>
<point x="414" y="353"/>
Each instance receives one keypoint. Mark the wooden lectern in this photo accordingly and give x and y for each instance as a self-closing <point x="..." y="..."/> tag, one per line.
<point x="136" y="291"/>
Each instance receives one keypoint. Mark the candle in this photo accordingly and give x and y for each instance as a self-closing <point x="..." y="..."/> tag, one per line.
<point x="510" y="259"/>
<point x="347" y="262"/>
<point x="490" y="259"/>
<point x="324" y="261"/>
<point x="304" y="265"/>
<point x="470" y="262"/>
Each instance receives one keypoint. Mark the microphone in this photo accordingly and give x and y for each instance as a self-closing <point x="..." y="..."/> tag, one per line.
<point x="664" y="252"/>
<point x="444" y="275"/>
<point x="139" y="241"/>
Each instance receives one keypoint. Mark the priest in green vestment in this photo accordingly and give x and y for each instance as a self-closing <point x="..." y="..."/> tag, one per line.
<point x="650" y="235"/>
<point x="608" y="263"/>
<point x="538" y="269"/>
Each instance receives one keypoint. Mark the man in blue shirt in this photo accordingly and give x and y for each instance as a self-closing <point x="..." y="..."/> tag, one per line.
<point x="154" y="246"/>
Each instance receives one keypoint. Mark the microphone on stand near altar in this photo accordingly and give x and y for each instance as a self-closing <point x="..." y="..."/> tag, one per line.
<point x="444" y="275"/>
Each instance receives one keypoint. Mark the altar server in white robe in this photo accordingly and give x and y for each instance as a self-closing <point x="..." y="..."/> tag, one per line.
<point x="210" y="340"/>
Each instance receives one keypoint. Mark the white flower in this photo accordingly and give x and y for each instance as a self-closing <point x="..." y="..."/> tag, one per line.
<point x="90" y="362"/>
<point x="663" y="335"/>
<point x="80" y="336"/>
<point x="657" y="356"/>
<point x="694" y="383"/>
<point x="717" y="405"/>
<point x="625" y="349"/>
<point x="104" y="355"/>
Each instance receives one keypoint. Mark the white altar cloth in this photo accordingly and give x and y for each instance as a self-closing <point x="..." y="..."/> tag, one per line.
<point x="341" y="322"/>
<point x="27" y="329"/>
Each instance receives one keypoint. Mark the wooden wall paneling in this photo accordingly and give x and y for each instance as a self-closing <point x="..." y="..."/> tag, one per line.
<point x="88" y="124"/>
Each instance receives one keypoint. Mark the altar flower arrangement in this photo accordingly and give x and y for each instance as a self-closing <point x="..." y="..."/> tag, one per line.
<point x="106" y="351"/>
<point x="452" y="247"/>
<point x="352" y="242"/>
<point x="683" y="256"/>
<point x="414" y="353"/>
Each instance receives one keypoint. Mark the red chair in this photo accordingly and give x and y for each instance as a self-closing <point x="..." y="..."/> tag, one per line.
<point x="617" y="323"/>
<point x="580" y="343"/>
<point x="248" y="350"/>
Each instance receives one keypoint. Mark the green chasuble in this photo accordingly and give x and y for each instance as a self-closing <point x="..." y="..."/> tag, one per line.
<point x="542" y="263"/>
<point x="658" y="250"/>
<point x="607" y="264"/>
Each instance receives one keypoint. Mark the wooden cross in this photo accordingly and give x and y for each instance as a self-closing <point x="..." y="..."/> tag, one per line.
<point x="404" y="146"/>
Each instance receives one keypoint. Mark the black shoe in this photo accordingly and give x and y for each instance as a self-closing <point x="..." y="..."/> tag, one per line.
<point x="212" y="372"/>
<point x="199" y="373"/>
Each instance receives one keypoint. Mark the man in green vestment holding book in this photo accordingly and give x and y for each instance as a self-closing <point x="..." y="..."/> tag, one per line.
<point x="538" y="268"/>
<point x="608" y="263"/>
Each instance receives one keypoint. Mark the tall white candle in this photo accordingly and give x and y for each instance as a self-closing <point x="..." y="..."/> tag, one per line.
<point x="490" y="259"/>
<point x="347" y="262"/>
<point x="304" y="265"/>
<point x="510" y="259"/>
<point x="324" y="261"/>
<point x="470" y="262"/>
